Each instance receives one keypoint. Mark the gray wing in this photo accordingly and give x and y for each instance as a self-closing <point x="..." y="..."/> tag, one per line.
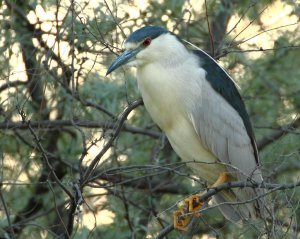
<point x="223" y="132"/>
<point x="220" y="119"/>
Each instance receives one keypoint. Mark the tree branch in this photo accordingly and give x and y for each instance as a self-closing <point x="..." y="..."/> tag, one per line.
<point x="229" y="185"/>
<point x="119" y="125"/>
<point x="264" y="142"/>
<point x="59" y="124"/>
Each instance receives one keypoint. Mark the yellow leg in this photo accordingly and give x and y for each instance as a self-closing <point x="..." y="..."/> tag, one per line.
<point x="223" y="178"/>
<point x="190" y="206"/>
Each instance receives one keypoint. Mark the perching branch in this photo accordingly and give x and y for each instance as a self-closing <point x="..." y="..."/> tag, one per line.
<point x="229" y="185"/>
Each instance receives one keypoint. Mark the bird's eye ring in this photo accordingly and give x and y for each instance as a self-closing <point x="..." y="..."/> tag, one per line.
<point x="147" y="41"/>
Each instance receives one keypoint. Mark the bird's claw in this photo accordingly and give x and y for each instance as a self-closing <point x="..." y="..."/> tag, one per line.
<point x="186" y="212"/>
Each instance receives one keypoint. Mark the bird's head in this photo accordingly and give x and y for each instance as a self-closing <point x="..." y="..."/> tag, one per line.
<point x="146" y="45"/>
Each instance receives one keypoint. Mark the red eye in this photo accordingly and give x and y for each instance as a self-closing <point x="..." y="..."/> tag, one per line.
<point x="147" y="41"/>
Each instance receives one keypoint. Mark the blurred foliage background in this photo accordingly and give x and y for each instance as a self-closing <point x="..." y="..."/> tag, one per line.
<point x="74" y="166"/>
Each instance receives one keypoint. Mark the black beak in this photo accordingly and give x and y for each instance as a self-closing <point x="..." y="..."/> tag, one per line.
<point x="125" y="57"/>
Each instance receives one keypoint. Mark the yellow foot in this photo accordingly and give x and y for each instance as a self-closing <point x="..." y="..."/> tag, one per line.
<point x="187" y="211"/>
<point x="189" y="207"/>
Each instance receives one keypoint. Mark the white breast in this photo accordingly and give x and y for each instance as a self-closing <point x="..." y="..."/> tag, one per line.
<point x="164" y="95"/>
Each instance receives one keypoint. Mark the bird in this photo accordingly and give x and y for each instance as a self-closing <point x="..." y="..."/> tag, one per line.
<point x="196" y="103"/>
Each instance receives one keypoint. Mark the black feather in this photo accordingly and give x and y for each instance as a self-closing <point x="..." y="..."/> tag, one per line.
<point x="144" y="32"/>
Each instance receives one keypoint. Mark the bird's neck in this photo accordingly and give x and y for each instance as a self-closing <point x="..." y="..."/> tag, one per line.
<point x="166" y="52"/>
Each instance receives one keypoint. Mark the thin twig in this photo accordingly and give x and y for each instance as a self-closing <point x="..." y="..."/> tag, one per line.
<point x="247" y="25"/>
<point x="260" y="49"/>
<point x="115" y="20"/>
<point x="57" y="211"/>
<point x="43" y="152"/>
<point x="278" y="134"/>
<point x="12" y="235"/>
<point x="242" y="16"/>
<point x="210" y="32"/>
<point x="264" y="31"/>
<point x="119" y="125"/>
<point x="59" y="124"/>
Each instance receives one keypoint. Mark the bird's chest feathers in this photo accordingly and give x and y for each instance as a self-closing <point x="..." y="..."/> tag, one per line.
<point x="159" y="89"/>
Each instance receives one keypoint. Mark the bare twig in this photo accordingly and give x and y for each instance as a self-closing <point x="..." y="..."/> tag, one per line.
<point x="264" y="31"/>
<point x="12" y="84"/>
<point x="250" y="23"/>
<point x="119" y="125"/>
<point x="43" y="152"/>
<point x="278" y="134"/>
<point x="59" y="124"/>
<point x="241" y="18"/>
<point x="57" y="211"/>
<point x="6" y="213"/>
<point x="260" y="49"/>
<point x="115" y="20"/>
<point x="210" y="32"/>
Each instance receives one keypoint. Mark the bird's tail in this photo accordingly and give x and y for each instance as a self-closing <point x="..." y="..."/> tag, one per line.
<point x="237" y="206"/>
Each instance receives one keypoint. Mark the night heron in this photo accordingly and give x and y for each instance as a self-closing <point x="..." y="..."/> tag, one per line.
<point x="197" y="105"/>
